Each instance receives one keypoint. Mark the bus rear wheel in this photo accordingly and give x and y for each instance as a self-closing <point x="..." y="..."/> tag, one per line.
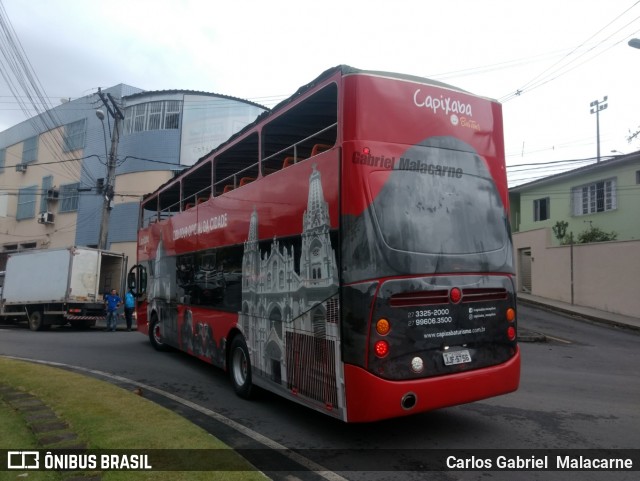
<point x="240" y="371"/>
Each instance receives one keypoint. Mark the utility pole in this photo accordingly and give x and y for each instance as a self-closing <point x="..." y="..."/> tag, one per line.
<point x="117" y="115"/>
<point x="596" y="107"/>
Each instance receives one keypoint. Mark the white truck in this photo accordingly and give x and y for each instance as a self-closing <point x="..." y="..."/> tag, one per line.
<point x="60" y="286"/>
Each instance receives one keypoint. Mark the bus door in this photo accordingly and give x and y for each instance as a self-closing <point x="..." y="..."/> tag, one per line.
<point x="137" y="282"/>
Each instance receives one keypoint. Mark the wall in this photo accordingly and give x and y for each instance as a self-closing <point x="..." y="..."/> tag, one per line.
<point x="605" y="274"/>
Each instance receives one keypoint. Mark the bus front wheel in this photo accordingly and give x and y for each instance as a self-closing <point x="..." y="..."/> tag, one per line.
<point x="155" y="334"/>
<point x="241" y="368"/>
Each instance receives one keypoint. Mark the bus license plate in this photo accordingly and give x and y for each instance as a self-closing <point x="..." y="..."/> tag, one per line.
<point x="456" y="357"/>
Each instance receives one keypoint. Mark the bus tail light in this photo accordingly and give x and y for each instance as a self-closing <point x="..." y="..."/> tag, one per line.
<point x="381" y="348"/>
<point x="511" y="317"/>
<point x="383" y="327"/>
<point x="455" y="295"/>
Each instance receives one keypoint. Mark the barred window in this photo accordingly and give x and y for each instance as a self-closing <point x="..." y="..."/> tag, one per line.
<point x="596" y="197"/>
<point x="30" y="150"/>
<point x="69" y="197"/>
<point x="74" y="135"/>
<point x="27" y="203"/>
<point x="139" y="113"/>
<point x="157" y="115"/>
<point x="172" y="114"/>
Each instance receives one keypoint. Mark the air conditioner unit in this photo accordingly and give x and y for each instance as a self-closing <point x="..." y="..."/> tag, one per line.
<point x="46" y="218"/>
<point x="53" y="194"/>
<point x="21" y="167"/>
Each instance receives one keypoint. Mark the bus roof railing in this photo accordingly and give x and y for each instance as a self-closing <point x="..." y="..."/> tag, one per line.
<point x="236" y="180"/>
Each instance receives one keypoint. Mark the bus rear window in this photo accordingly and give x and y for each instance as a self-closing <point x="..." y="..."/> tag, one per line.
<point x="439" y="201"/>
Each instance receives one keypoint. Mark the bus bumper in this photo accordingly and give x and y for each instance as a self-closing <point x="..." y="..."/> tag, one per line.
<point x="370" y="398"/>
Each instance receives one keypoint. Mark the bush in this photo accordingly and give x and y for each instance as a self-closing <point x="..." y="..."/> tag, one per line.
<point x="595" y="234"/>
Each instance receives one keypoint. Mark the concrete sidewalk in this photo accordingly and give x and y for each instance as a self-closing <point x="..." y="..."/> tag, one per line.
<point x="589" y="313"/>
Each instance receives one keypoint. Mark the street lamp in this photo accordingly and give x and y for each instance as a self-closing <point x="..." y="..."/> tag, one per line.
<point x="596" y="107"/>
<point x="100" y="115"/>
<point x="634" y="42"/>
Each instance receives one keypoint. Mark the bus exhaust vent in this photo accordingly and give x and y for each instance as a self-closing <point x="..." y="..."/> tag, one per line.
<point x="441" y="296"/>
<point x="421" y="298"/>
<point x="484" y="294"/>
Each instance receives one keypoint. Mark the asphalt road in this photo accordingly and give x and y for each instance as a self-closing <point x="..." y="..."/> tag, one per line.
<point x="579" y="390"/>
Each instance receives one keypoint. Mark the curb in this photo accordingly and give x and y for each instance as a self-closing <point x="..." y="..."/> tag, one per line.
<point x="578" y="315"/>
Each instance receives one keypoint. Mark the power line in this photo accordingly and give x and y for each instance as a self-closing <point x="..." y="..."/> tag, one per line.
<point x="556" y="70"/>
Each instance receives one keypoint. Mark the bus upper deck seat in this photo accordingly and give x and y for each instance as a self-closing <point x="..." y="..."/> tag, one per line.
<point x="319" y="148"/>
<point x="288" y="161"/>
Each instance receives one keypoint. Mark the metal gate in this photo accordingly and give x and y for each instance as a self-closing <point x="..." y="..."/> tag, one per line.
<point x="524" y="261"/>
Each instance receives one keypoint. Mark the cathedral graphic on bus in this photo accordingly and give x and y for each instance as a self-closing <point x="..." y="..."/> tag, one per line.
<point x="290" y="307"/>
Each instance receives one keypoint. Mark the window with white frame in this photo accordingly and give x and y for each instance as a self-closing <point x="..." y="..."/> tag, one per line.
<point x="27" y="203"/>
<point x="158" y="115"/>
<point x="541" y="209"/>
<point x="69" y="197"/>
<point x="172" y="114"/>
<point x="155" y="116"/>
<point x="74" y="135"/>
<point x="30" y="150"/>
<point x="139" y="117"/>
<point x="599" y="196"/>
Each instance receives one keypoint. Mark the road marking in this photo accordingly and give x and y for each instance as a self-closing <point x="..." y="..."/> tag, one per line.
<point x="270" y="443"/>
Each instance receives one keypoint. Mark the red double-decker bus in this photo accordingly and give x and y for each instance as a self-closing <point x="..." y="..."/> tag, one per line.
<point x="348" y="250"/>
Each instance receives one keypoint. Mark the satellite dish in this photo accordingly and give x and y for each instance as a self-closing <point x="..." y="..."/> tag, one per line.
<point x="65" y="100"/>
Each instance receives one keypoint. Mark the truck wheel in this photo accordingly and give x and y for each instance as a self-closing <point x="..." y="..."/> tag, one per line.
<point x="155" y="334"/>
<point x="36" y="321"/>
<point x="240" y="371"/>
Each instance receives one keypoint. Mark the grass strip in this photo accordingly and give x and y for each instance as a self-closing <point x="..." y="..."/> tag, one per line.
<point x="105" y="416"/>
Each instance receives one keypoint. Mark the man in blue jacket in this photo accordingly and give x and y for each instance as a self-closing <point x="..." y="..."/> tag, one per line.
<point x="112" y="301"/>
<point x="129" y="304"/>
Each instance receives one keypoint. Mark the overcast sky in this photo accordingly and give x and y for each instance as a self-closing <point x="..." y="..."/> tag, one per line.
<point x="561" y="55"/>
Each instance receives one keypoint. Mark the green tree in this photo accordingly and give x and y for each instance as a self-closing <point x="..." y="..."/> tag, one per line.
<point x="560" y="231"/>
